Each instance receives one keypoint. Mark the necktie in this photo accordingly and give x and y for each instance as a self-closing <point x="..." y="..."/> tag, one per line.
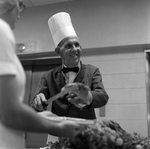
<point x="74" y="69"/>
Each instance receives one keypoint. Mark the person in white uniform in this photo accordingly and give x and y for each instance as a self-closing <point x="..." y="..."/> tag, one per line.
<point x="15" y="116"/>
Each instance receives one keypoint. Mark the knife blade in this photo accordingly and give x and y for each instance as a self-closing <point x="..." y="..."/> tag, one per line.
<point x="54" y="98"/>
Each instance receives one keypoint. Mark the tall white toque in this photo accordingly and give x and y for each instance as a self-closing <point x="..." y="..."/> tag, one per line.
<point x="61" y="27"/>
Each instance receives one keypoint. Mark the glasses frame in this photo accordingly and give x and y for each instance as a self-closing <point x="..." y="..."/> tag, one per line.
<point x="21" y="6"/>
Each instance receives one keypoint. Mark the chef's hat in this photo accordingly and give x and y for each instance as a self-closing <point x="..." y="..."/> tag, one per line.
<point x="61" y="27"/>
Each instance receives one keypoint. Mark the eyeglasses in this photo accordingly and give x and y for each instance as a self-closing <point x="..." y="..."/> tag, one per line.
<point x="21" y="6"/>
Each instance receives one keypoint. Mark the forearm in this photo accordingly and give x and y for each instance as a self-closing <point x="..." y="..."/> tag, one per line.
<point x="100" y="98"/>
<point x="24" y="118"/>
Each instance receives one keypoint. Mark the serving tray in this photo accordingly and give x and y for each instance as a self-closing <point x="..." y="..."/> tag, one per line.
<point x="76" y="120"/>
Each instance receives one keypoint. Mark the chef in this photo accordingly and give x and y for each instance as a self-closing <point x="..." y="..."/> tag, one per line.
<point x="82" y="83"/>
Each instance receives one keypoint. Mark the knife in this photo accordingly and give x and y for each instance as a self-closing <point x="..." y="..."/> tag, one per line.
<point x="66" y="90"/>
<point x="54" y="98"/>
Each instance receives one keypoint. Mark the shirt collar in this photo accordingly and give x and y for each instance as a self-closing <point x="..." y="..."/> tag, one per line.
<point x="79" y="65"/>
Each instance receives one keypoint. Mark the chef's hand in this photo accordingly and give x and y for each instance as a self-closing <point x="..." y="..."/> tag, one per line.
<point x="68" y="129"/>
<point x="79" y="95"/>
<point x="39" y="102"/>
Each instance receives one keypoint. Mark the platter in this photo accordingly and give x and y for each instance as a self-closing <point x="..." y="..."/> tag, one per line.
<point x="76" y="120"/>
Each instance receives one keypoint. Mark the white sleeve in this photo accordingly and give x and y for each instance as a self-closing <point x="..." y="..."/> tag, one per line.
<point x="7" y="69"/>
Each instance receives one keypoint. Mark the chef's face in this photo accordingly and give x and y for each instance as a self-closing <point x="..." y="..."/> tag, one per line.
<point x="70" y="51"/>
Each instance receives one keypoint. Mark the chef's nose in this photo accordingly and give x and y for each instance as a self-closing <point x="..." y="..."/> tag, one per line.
<point x="74" y="47"/>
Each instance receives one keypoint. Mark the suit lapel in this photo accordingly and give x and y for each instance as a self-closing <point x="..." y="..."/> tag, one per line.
<point x="80" y="76"/>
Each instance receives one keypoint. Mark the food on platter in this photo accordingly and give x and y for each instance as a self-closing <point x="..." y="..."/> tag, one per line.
<point x="106" y="134"/>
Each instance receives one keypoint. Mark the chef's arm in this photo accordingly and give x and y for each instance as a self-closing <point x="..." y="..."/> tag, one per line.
<point x="99" y="95"/>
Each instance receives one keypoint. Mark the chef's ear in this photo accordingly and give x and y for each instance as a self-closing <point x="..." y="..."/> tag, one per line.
<point x="57" y="50"/>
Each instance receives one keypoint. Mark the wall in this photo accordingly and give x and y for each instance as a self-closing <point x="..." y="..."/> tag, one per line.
<point x="104" y="23"/>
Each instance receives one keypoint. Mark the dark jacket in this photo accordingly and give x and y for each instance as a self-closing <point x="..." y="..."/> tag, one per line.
<point x="53" y="80"/>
